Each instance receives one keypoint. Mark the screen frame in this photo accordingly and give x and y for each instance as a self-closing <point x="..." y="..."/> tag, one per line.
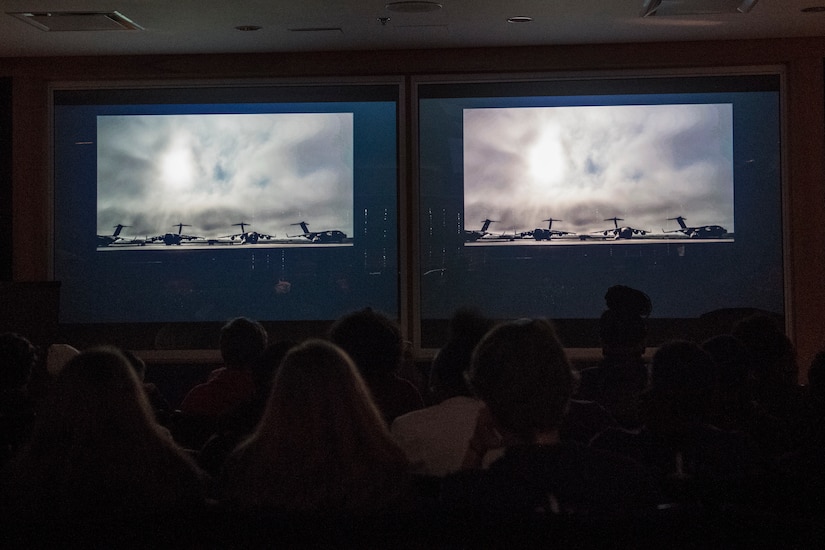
<point x="133" y="335"/>
<point x="425" y="338"/>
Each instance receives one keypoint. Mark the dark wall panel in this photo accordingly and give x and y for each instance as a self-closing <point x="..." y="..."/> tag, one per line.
<point x="5" y="180"/>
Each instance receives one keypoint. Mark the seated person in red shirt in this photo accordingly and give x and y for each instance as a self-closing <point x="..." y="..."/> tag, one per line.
<point x="242" y="341"/>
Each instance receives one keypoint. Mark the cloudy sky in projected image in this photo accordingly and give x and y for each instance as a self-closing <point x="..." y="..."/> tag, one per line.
<point x="211" y="171"/>
<point x="643" y="163"/>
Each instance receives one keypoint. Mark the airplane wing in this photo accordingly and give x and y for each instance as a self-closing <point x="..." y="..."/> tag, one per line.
<point x="123" y="241"/>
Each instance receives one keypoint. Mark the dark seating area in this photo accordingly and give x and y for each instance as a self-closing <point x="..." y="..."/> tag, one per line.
<point x="213" y="527"/>
<point x="308" y="459"/>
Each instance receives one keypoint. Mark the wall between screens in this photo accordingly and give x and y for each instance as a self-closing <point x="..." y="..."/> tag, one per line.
<point x="802" y="59"/>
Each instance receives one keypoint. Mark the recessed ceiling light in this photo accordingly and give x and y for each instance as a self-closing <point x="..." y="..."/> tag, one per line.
<point x="519" y="19"/>
<point x="413" y="6"/>
<point x="813" y="9"/>
<point x="246" y="28"/>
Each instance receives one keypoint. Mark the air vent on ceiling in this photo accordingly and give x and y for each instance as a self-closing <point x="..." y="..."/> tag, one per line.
<point x="696" y="7"/>
<point x="55" y="21"/>
<point x="413" y="6"/>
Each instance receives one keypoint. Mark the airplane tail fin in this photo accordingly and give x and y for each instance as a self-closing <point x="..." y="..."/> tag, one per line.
<point x="304" y="229"/>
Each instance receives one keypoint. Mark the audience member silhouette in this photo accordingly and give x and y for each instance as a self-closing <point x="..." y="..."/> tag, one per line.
<point x="795" y="494"/>
<point x="96" y="454"/>
<point x="242" y="340"/>
<point x="807" y="461"/>
<point x="374" y="342"/>
<point x="618" y="382"/>
<point x="734" y="407"/>
<point x="240" y="422"/>
<point x="160" y="406"/>
<point x="521" y="373"/>
<point x="694" y="460"/>
<point x="57" y="355"/>
<point x="772" y="352"/>
<point x="321" y="445"/>
<point x="50" y="361"/>
<point x="585" y="420"/>
<point x="448" y="373"/>
<point x="816" y="388"/>
<point x="811" y="457"/>
<point x="773" y="377"/>
<point x="435" y="438"/>
<point x="17" y="409"/>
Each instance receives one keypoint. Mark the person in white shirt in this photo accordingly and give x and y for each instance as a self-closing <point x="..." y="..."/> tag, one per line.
<point x="435" y="438"/>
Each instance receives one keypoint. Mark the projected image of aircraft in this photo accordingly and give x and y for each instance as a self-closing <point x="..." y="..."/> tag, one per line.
<point x="511" y="236"/>
<point x="248" y="237"/>
<point x="106" y="240"/>
<point x="327" y="236"/>
<point x="698" y="232"/>
<point x="170" y="239"/>
<point x="541" y="234"/>
<point x="624" y="232"/>
<point x="471" y="235"/>
<point x="116" y="239"/>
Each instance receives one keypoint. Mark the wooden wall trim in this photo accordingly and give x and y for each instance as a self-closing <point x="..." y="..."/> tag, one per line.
<point x="426" y="61"/>
<point x="805" y="208"/>
<point x="31" y="185"/>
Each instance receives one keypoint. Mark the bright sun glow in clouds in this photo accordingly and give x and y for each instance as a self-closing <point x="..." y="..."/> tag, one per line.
<point x="177" y="169"/>
<point x="546" y="161"/>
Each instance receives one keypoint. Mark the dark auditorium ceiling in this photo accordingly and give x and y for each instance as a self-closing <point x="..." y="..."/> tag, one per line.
<point x="211" y="26"/>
